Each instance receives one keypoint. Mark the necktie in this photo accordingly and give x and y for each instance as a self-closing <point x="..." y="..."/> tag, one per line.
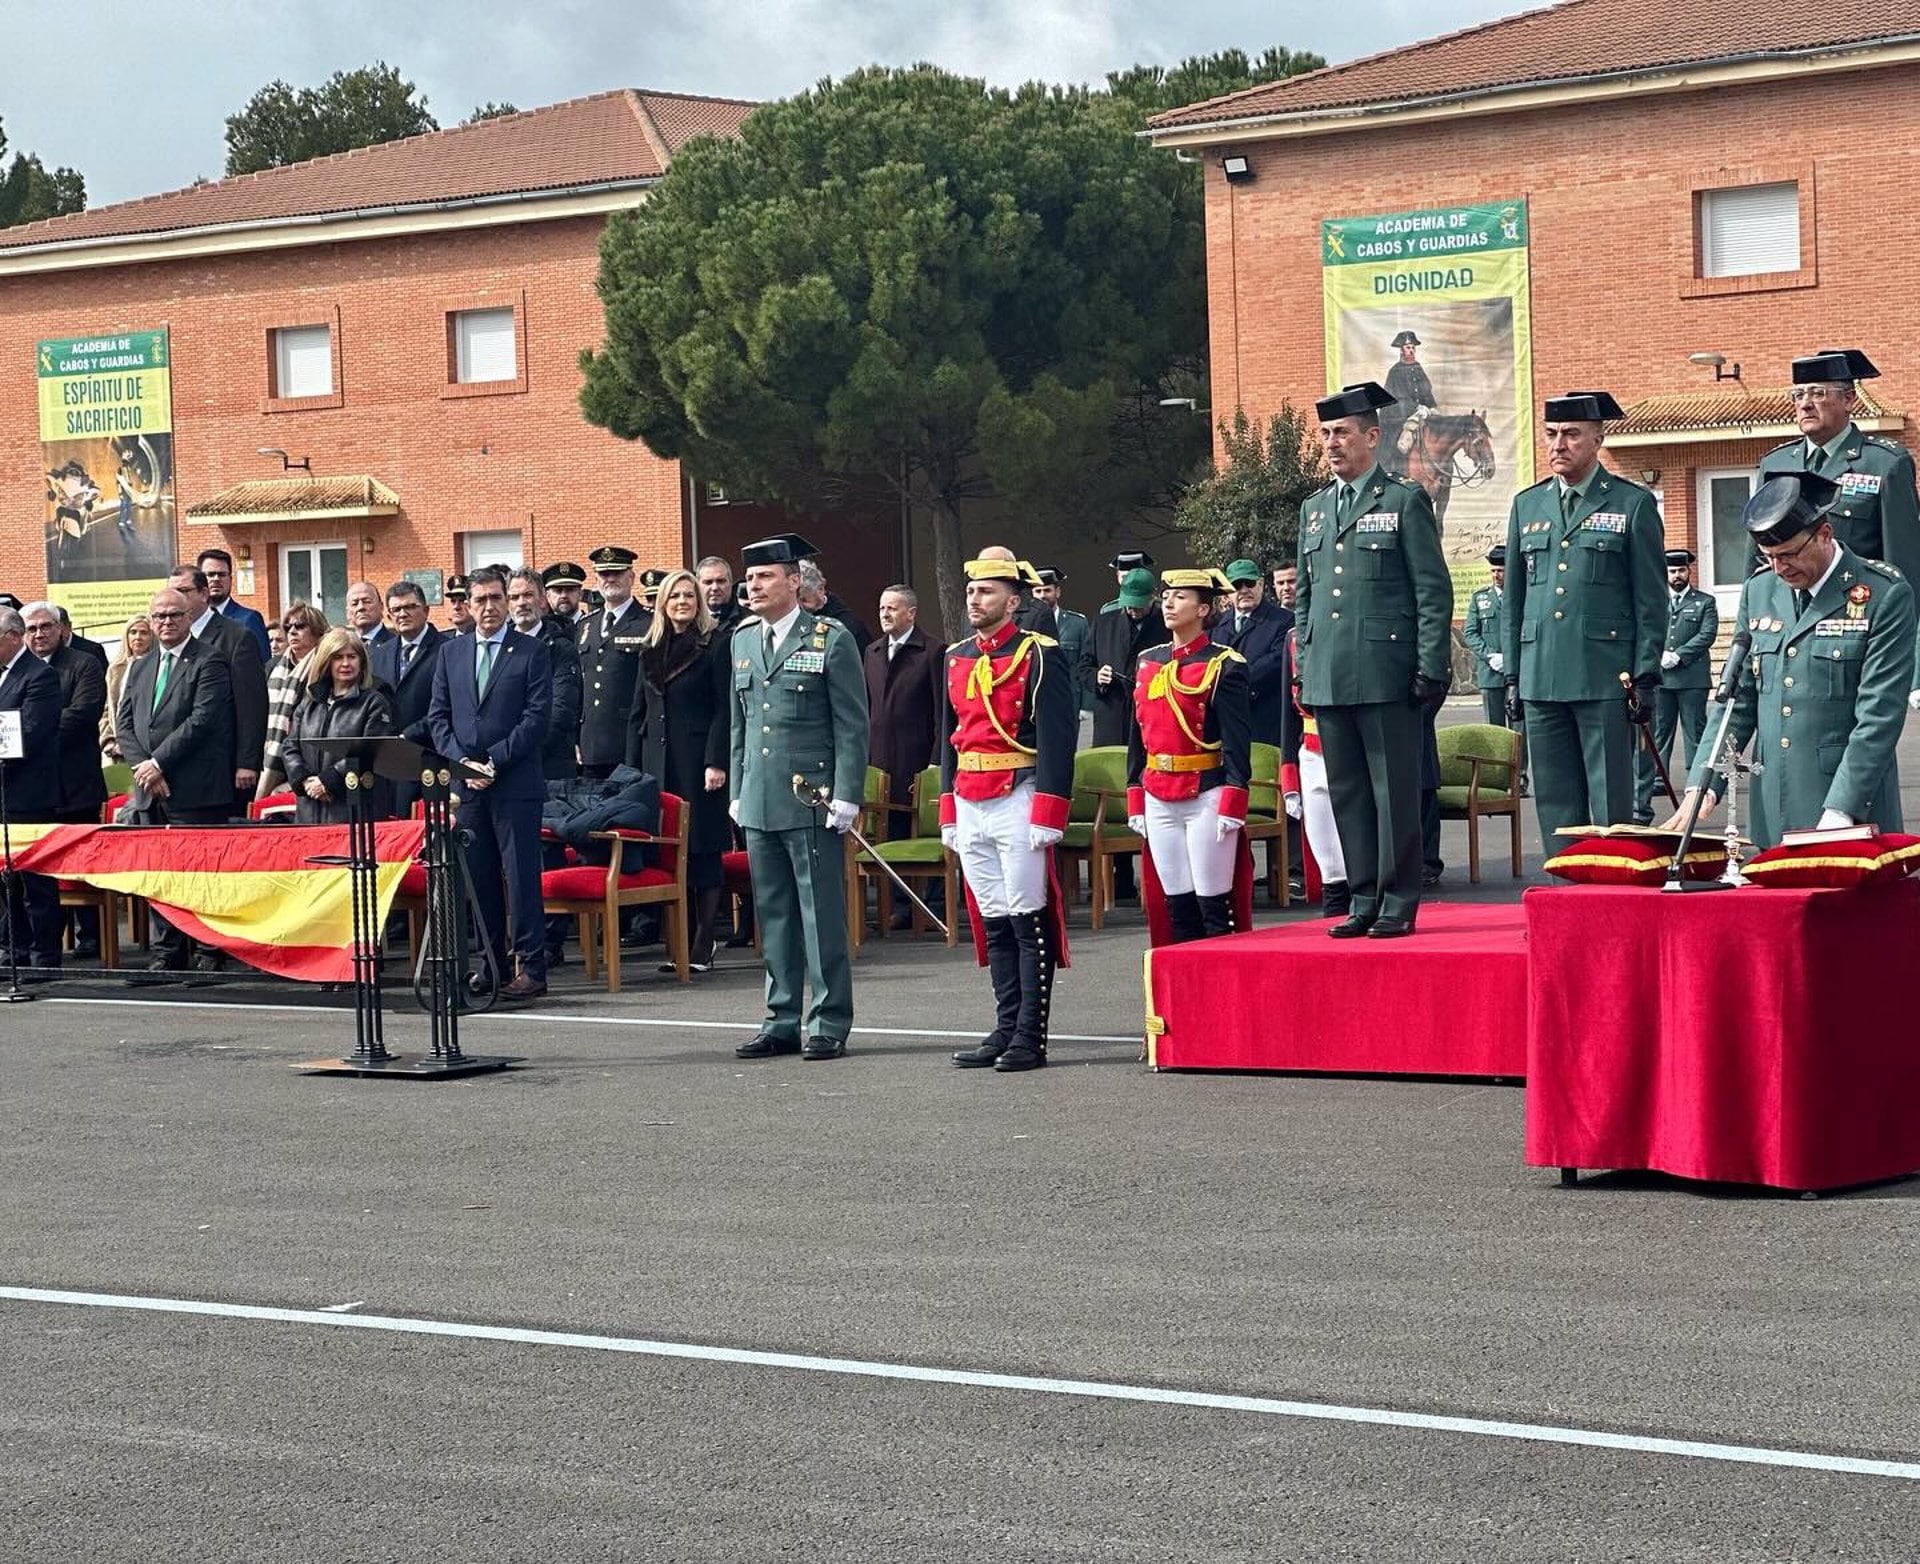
<point x="486" y="665"/>
<point x="1568" y="499"/>
<point x="1818" y="460"/>
<point x="160" y="679"/>
<point x="606" y="630"/>
<point x="769" y="644"/>
<point x="1240" y="624"/>
<point x="406" y="657"/>
<point x="1801" y="598"/>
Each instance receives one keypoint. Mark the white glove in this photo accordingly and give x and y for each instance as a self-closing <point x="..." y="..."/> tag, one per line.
<point x="1913" y="700"/>
<point x="1292" y="802"/>
<point x="841" y="814"/>
<point x="733" y="811"/>
<point x="1137" y="824"/>
<point x="1497" y="661"/>
<point x="1225" y="826"/>
<point x="1669" y="659"/>
<point x="950" y="838"/>
<point x="1832" y="819"/>
<point x="1041" y="837"/>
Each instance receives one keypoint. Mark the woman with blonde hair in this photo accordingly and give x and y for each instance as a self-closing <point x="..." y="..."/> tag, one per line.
<point x="681" y="699"/>
<point x="303" y="626"/>
<point x="135" y="642"/>
<point x="341" y="702"/>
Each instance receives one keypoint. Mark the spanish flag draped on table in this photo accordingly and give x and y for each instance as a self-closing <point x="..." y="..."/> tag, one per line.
<point x="252" y="891"/>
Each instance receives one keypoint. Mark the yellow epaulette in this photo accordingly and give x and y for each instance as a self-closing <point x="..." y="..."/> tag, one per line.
<point x="1230" y="654"/>
<point x="1040" y="640"/>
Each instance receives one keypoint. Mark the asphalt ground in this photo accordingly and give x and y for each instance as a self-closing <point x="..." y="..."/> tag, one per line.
<point x="1369" y="1245"/>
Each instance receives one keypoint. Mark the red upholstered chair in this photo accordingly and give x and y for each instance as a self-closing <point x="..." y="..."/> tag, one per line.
<point x="275" y="806"/>
<point x="595" y="895"/>
<point x="108" y="903"/>
<point x="736" y="876"/>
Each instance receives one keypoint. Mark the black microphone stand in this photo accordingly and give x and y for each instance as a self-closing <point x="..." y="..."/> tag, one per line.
<point x="15" y="898"/>
<point x="1676" y="871"/>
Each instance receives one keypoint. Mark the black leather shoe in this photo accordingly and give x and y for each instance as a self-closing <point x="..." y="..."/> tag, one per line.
<point x="1354" y="928"/>
<point x="981" y="1055"/>
<point x="1389" y="928"/>
<point x="766" y="1045"/>
<point x="824" y="1048"/>
<point x="1021" y="1056"/>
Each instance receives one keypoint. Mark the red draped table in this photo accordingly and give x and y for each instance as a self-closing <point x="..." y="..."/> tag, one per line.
<point x="1450" y="1001"/>
<point x="1751" y="1036"/>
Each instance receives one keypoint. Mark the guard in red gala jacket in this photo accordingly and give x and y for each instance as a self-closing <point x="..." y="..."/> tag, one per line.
<point x="1009" y="721"/>
<point x="1188" y="765"/>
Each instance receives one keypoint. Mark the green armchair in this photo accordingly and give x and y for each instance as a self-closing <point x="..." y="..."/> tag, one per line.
<point x="919" y="859"/>
<point x="1479" y="772"/>
<point x="1099" y="799"/>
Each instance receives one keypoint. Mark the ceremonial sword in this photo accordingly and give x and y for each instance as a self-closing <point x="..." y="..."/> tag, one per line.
<point x="817" y="798"/>
<point x="1646" y="732"/>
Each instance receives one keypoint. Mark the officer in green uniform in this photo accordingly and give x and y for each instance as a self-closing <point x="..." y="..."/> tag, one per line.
<point x="1481" y="630"/>
<point x="1693" y="620"/>
<point x="1824" y="694"/>
<point x="1072" y="629"/>
<point x="1585" y="604"/>
<point x="799" y="710"/>
<point x="1877" y="514"/>
<point x="1374" y="611"/>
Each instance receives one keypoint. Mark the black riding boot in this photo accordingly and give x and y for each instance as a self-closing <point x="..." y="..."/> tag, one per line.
<point x="1003" y="966"/>
<point x="1216" y="913"/>
<point x="1336" y="901"/>
<point x="1183" y="912"/>
<point x="1034" y="931"/>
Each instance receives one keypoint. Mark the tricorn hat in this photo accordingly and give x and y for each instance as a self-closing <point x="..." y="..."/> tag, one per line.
<point x="1130" y="559"/>
<point x="1594" y="407"/>
<point x="1787" y="505"/>
<point x="1676" y="557"/>
<point x="1497" y="556"/>
<point x="1833" y="366"/>
<point x="1355" y="401"/>
<point x="1405" y="339"/>
<point x="457" y="588"/>
<point x="783" y="548"/>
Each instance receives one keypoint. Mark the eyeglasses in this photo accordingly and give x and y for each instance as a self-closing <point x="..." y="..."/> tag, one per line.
<point x="1801" y="394"/>
<point x="1786" y="556"/>
<point x="164" y="615"/>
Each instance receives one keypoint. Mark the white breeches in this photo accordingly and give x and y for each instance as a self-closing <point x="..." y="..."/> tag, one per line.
<point x="1187" y="852"/>
<point x="1316" y="809"/>
<point x="1004" y="873"/>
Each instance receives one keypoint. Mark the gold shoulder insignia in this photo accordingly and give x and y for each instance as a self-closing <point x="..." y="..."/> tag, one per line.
<point x="1041" y="640"/>
<point x="1228" y="654"/>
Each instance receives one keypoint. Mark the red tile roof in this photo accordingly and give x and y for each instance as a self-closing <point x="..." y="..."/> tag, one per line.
<point x="263" y="499"/>
<point x="1566" y="42"/>
<point x="611" y="137"/>
<point x="1687" y="412"/>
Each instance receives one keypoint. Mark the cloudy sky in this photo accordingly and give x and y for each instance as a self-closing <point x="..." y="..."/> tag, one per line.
<point x="134" y="95"/>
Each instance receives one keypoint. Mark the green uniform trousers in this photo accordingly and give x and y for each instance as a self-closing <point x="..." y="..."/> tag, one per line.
<point x="800" y="897"/>
<point x="1582" y="765"/>
<point x="1373" y="780"/>
<point x="1672" y="710"/>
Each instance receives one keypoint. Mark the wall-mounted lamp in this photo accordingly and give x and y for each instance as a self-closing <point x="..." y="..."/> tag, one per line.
<point x="287" y="463"/>
<point x="366" y="544"/>
<point x="1237" y="169"/>
<point x="243" y="552"/>
<point x="1650" y="476"/>
<point x="1717" y="362"/>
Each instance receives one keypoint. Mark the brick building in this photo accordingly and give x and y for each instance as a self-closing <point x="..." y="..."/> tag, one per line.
<point x="1722" y="180"/>
<point x="405" y="320"/>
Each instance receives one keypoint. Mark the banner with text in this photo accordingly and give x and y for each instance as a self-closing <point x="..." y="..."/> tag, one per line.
<point x="106" y="443"/>
<point x="1434" y="305"/>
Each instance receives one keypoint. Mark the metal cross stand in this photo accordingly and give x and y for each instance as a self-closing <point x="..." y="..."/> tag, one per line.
<point x="440" y="979"/>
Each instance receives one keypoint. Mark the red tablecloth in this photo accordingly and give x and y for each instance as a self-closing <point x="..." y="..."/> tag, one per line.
<point x="1751" y="1036"/>
<point x="1449" y="1001"/>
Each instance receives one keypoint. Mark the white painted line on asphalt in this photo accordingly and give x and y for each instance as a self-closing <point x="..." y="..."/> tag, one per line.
<point x="1097" y="1390"/>
<point x="205" y="1007"/>
<point x="341" y="1308"/>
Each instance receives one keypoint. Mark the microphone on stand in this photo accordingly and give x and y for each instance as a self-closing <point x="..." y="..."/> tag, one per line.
<point x="1731" y="674"/>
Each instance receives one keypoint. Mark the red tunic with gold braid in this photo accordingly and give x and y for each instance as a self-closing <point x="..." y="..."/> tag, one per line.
<point x="1011" y="713"/>
<point x="1193" y="730"/>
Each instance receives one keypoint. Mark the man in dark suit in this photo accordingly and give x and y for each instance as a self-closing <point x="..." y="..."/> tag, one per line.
<point x="1257" y="629"/>
<point x="492" y="694"/>
<point x="246" y="677"/>
<point x="175" y="723"/>
<point x="80" y="643"/>
<point x="527" y="607"/>
<point x="83" y="697"/>
<point x="216" y="564"/>
<point x="28" y="686"/>
<point x="903" y="696"/>
<point x="403" y="663"/>
<point x="609" y="642"/>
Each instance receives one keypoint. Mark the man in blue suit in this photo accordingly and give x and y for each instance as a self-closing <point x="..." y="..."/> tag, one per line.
<point x="29" y="687"/>
<point x="1257" y="629"/>
<point x="404" y="663"/>
<point x="492" y="691"/>
<point x="216" y="564"/>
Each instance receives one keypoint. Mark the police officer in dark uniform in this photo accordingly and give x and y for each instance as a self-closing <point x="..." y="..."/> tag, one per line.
<point x="459" y="616"/>
<point x="610" y="642"/>
<point x="564" y="581"/>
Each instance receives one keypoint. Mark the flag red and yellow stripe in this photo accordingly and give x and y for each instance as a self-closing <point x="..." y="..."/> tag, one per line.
<point x="251" y="891"/>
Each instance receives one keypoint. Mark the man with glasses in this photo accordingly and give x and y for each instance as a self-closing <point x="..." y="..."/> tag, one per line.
<point x="1824" y="696"/>
<point x="1586" y="603"/>
<point x="83" y="787"/>
<point x="216" y="564"/>
<point x="403" y="662"/>
<point x="246" y="677"/>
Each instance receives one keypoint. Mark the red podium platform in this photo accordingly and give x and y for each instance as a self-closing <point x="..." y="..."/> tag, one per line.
<point x="1752" y="1037"/>
<point x="1452" y="1000"/>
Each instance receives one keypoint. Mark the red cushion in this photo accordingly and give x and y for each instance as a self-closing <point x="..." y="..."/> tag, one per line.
<point x="735" y="874"/>
<point x="1630" y="860"/>
<point x="282" y="802"/>
<point x="1816" y="865"/>
<point x="414" y="881"/>
<point x="670" y="808"/>
<point x="112" y="807"/>
<point x="589" y="882"/>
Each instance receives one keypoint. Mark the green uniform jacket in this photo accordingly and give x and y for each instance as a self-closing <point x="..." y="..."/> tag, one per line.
<point x="1483" y="631"/>
<point x="1074" y="633"/>
<point x="1587" y="593"/>
<point x="1877" y="514"/>
<point x="1826" y="692"/>
<point x="805" y="715"/>
<point x="1690" y="631"/>
<point x="1375" y="601"/>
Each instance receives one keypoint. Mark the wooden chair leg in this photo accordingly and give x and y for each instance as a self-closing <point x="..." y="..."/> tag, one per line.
<point x="1101" y="886"/>
<point x="589" y="946"/>
<point x="610" y="946"/>
<point x="1514" y="820"/>
<point x="110" y="931"/>
<point x="1473" y="846"/>
<point x="883" y="894"/>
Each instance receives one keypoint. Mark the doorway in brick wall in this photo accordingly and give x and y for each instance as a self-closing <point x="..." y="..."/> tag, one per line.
<point x="315" y="573"/>
<point x="1725" y="549"/>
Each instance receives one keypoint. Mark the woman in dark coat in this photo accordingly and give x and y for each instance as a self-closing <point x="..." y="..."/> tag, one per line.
<point x="681" y="700"/>
<point x="341" y="701"/>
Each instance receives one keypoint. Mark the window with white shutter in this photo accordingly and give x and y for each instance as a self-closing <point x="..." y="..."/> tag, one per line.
<point x="1748" y="230"/>
<point x="483" y="346"/>
<point x="303" y="361"/>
